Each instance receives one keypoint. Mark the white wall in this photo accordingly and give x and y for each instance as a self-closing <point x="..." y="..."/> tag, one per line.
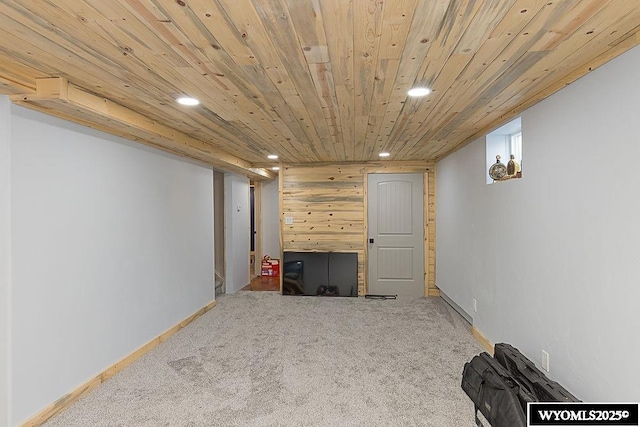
<point x="112" y="244"/>
<point x="552" y="258"/>
<point x="237" y="230"/>
<point x="5" y="256"/>
<point x="270" y="219"/>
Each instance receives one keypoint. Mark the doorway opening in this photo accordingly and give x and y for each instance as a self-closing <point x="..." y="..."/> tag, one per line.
<point x="218" y="232"/>
<point x="396" y="229"/>
<point x="255" y="234"/>
<point x="252" y="229"/>
<point x="258" y="282"/>
<point x="255" y="249"/>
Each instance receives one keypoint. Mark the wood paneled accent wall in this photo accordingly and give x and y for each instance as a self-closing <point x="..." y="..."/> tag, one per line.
<point x="328" y="205"/>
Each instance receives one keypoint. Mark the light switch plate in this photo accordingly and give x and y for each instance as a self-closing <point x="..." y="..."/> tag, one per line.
<point x="288" y="220"/>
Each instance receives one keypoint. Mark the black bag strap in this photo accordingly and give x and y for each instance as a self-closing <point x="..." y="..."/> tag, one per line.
<point x="478" y="422"/>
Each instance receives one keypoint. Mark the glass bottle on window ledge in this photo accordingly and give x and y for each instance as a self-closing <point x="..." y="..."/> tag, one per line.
<point x="513" y="167"/>
<point x="498" y="170"/>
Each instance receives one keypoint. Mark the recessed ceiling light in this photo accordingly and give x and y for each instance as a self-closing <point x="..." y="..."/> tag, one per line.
<point x="272" y="156"/>
<point x="185" y="100"/>
<point x="419" y="91"/>
<point x="384" y="154"/>
<point x="275" y="168"/>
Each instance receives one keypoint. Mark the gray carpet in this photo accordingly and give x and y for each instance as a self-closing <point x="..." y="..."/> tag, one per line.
<point x="262" y="359"/>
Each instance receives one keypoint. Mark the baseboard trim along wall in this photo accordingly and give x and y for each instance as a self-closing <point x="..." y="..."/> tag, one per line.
<point x="456" y="307"/>
<point x="482" y="340"/>
<point x="474" y="331"/>
<point x="71" y="397"/>
<point x="433" y="292"/>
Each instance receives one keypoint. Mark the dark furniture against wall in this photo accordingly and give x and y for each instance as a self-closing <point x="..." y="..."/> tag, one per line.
<point x="320" y="274"/>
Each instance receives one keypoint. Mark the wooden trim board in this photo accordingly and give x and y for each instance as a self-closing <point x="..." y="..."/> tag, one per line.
<point x="425" y="233"/>
<point x="365" y="235"/>
<point x="56" y="96"/>
<point x="281" y="221"/>
<point x="257" y="215"/>
<point x="74" y="395"/>
<point x="482" y="340"/>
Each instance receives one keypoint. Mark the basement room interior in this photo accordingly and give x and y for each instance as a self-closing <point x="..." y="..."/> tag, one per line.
<point x="312" y="212"/>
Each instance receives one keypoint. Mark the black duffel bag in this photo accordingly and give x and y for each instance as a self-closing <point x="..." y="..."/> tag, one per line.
<point x="493" y="392"/>
<point x="529" y="377"/>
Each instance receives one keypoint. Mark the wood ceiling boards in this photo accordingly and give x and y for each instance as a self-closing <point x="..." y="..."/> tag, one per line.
<point x="309" y="80"/>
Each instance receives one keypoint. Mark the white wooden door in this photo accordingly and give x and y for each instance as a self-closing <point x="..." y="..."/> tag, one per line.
<point x="396" y="234"/>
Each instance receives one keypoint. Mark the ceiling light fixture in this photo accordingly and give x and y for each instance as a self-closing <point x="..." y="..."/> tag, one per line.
<point x="185" y="100"/>
<point x="272" y="156"/>
<point x="419" y="91"/>
<point x="275" y="168"/>
<point x="384" y="154"/>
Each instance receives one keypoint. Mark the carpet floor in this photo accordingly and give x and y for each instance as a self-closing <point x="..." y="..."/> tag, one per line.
<point x="263" y="359"/>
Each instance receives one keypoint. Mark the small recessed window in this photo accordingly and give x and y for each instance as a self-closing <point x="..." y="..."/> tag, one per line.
<point x="504" y="152"/>
<point x="515" y="145"/>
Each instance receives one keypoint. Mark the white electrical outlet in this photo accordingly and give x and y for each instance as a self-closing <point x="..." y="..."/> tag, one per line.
<point x="475" y="305"/>
<point x="545" y="360"/>
<point x="288" y="220"/>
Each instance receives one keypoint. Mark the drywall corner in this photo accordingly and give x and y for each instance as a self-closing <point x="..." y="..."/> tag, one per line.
<point x="270" y="219"/>
<point x="236" y="192"/>
<point x="5" y="257"/>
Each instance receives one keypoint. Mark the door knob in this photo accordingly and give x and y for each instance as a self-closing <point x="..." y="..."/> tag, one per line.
<point x="371" y="241"/>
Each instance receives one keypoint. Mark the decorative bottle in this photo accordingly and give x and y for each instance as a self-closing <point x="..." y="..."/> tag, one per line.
<point x="513" y="167"/>
<point x="498" y="170"/>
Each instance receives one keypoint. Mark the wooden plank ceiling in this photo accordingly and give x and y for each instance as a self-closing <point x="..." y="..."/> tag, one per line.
<point x="309" y="80"/>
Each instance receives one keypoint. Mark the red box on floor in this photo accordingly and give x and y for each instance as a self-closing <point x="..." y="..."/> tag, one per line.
<point x="270" y="267"/>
